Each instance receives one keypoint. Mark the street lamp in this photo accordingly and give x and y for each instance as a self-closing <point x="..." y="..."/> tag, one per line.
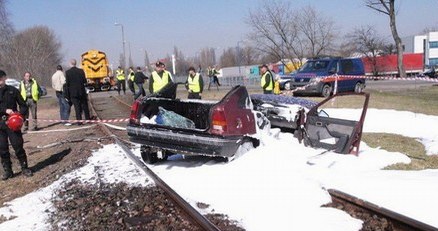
<point x="123" y="42"/>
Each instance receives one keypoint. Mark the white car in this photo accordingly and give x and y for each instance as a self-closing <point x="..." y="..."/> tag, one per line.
<point x="13" y="82"/>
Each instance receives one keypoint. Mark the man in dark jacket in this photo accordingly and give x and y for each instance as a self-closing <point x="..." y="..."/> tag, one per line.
<point x="9" y="98"/>
<point x="75" y="82"/>
<point x="139" y="79"/>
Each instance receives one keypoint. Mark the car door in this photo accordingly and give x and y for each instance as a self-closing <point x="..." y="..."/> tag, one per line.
<point x="341" y="135"/>
<point x="346" y="68"/>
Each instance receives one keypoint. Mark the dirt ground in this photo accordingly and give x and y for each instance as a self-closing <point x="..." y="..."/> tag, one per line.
<point x="56" y="149"/>
<point x="52" y="151"/>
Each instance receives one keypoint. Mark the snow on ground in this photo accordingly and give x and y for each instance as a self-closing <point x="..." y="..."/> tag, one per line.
<point x="107" y="165"/>
<point x="279" y="185"/>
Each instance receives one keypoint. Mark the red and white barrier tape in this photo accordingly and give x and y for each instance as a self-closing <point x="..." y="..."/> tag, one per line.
<point x="339" y="78"/>
<point x="426" y="79"/>
<point x="82" y="121"/>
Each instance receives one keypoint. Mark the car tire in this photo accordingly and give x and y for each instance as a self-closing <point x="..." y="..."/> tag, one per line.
<point x="326" y="90"/>
<point x="148" y="155"/>
<point x="358" y="88"/>
<point x="245" y="147"/>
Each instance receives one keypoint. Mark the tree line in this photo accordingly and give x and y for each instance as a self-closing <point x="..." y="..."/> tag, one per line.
<point x="35" y="50"/>
<point x="279" y="32"/>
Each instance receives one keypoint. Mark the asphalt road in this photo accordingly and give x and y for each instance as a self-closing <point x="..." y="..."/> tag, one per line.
<point x="394" y="85"/>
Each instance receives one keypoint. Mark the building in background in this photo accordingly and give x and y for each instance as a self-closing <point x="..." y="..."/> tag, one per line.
<point x="426" y="44"/>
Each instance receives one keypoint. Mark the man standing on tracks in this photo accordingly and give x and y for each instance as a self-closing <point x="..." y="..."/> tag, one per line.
<point x="139" y="79"/>
<point x="194" y="84"/>
<point x="58" y="82"/>
<point x="9" y="98"/>
<point x="75" y="84"/>
<point x="159" y="78"/>
<point x="120" y="76"/>
<point x="30" y="91"/>
<point x="267" y="81"/>
<point x="131" y="80"/>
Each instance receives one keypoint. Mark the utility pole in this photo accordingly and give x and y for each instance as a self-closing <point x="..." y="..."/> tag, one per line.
<point x="173" y="64"/>
<point x="123" y="42"/>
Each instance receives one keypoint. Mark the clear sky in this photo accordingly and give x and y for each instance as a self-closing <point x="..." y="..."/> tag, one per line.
<point x="157" y="26"/>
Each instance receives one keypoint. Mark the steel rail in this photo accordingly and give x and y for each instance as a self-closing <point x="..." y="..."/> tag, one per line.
<point x="200" y="219"/>
<point x="401" y="222"/>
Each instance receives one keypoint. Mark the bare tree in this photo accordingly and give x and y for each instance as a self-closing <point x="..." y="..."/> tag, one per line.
<point x="429" y="29"/>
<point x="147" y="63"/>
<point x="6" y="34"/>
<point x="389" y="49"/>
<point x="130" y="61"/>
<point x="249" y="55"/>
<point x="274" y="31"/>
<point x="368" y="43"/>
<point x="181" y="64"/>
<point x="207" y="57"/>
<point x="35" y="50"/>
<point x="318" y="31"/>
<point x="285" y="33"/>
<point x="229" y="58"/>
<point x="388" y="7"/>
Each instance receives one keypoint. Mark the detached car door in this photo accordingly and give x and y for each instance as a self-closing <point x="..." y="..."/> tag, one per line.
<point x="339" y="133"/>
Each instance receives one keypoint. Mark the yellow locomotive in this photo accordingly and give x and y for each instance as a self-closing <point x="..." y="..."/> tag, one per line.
<point x="97" y="71"/>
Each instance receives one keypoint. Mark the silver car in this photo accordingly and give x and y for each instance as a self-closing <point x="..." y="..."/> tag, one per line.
<point x="13" y="82"/>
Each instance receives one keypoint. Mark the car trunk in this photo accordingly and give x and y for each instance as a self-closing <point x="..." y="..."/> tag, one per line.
<point x="231" y="116"/>
<point x="194" y="110"/>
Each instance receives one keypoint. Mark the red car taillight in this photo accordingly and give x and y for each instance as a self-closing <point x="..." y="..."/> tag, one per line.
<point x="133" y="118"/>
<point x="219" y="122"/>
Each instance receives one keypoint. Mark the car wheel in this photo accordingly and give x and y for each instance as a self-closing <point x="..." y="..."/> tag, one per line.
<point x="148" y="155"/>
<point x="326" y="90"/>
<point x="358" y="88"/>
<point x="245" y="147"/>
<point x="287" y="86"/>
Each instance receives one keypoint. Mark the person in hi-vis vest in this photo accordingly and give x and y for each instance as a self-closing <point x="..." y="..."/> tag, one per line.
<point x="194" y="84"/>
<point x="159" y="78"/>
<point x="131" y="74"/>
<point x="31" y="92"/>
<point x="266" y="81"/>
<point x="121" y="83"/>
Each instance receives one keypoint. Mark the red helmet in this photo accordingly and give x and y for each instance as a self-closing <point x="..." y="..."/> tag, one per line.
<point x="15" y="121"/>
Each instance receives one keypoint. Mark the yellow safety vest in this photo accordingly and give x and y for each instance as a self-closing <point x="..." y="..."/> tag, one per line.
<point x="160" y="82"/>
<point x="131" y="76"/>
<point x="263" y="81"/>
<point x="120" y="74"/>
<point x="34" y="91"/>
<point x="194" y="83"/>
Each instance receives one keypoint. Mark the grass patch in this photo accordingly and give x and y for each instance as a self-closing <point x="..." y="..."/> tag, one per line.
<point x="421" y="100"/>
<point x="409" y="146"/>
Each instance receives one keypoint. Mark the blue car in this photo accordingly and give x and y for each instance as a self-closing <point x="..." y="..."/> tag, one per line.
<point x="318" y="76"/>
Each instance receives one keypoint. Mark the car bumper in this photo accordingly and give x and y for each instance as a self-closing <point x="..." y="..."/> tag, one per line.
<point x="185" y="142"/>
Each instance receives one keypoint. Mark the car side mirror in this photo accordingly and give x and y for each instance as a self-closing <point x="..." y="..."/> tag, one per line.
<point x="322" y="113"/>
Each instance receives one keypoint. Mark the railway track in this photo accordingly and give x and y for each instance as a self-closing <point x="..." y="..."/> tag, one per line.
<point x="195" y="216"/>
<point x="390" y="220"/>
<point x="378" y="217"/>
